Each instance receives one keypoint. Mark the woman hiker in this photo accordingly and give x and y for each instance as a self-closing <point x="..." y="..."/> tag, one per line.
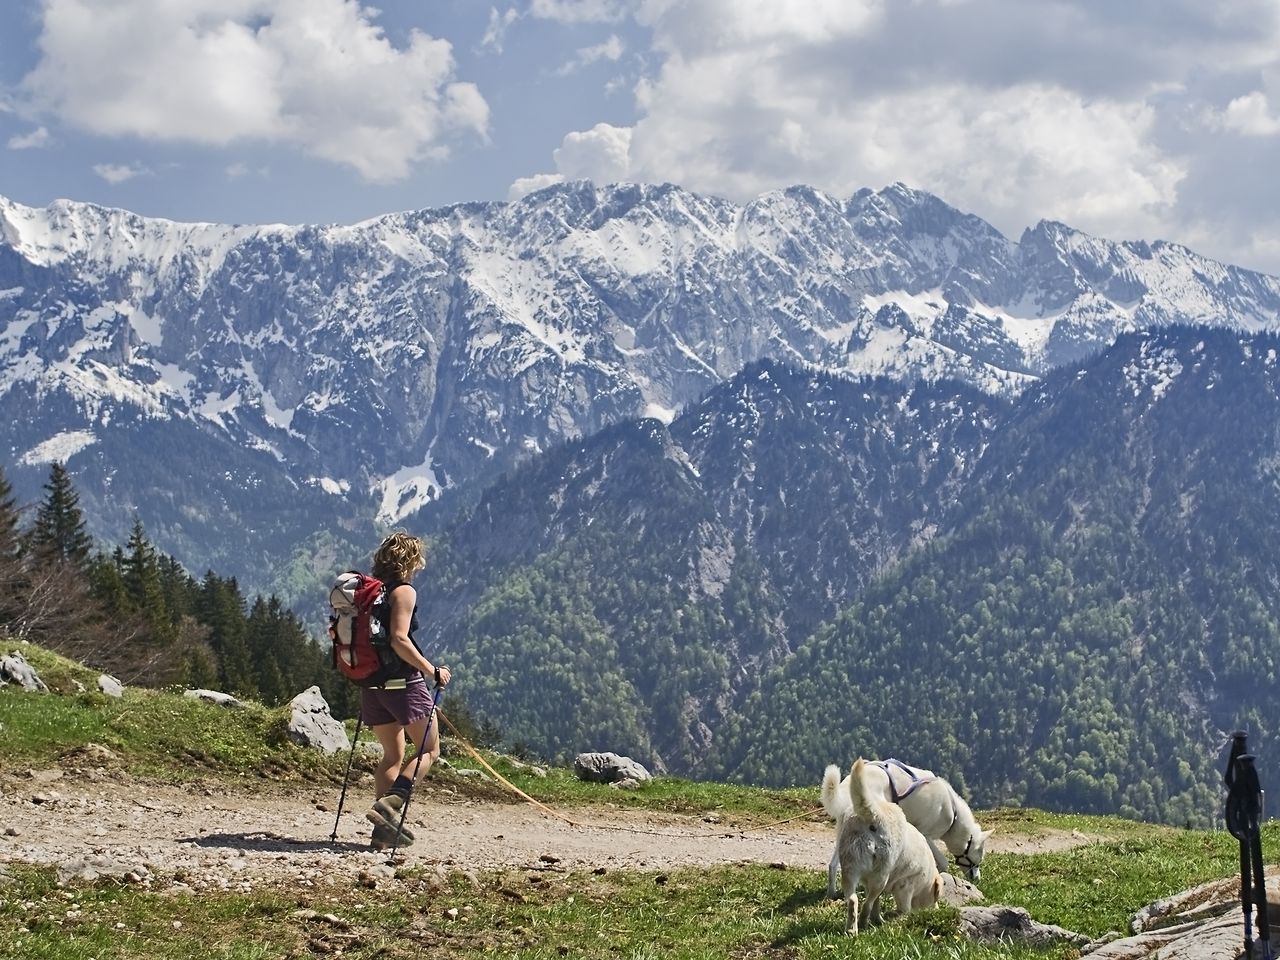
<point x="402" y="704"/>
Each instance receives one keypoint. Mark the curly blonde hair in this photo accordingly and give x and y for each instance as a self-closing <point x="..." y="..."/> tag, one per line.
<point x="399" y="557"/>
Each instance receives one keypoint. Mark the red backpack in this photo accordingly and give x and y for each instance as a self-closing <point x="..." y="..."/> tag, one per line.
<point x="358" y="627"/>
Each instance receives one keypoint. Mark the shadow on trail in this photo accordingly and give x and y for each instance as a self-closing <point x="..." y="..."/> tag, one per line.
<point x="274" y="843"/>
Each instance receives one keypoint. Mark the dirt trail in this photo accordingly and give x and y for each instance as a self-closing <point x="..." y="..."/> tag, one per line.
<point x="230" y="837"/>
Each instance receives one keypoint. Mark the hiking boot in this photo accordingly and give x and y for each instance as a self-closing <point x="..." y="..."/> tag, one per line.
<point x="384" y="836"/>
<point x="387" y="810"/>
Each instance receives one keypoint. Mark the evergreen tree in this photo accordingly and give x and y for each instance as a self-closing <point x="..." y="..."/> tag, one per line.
<point x="220" y="607"/>
<point x="13" y="578"/>
<point x="266" y="650"/>
<point x="106" y="579"/>
<point x="59" y="535"/>
<point x="178" y="588"/>
<point x="10" y="540"/>
<point x="141" y="574"/>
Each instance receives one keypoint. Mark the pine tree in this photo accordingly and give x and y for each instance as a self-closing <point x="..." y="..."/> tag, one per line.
<point x="106" y="579"/>
<point x="59" y="535"/>
<point x="221" y="608"/>
<point x="10" y="540"/>
<point x="178" y="588"/>
<point x="12" y="576"/>
<point x="142" y="581"/>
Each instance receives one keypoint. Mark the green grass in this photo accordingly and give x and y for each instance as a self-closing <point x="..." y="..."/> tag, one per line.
<point x="749" y="911"/>
<point x="732" y="912"/>
<point x="154" y="733"/>
<point x="560" y="787"/>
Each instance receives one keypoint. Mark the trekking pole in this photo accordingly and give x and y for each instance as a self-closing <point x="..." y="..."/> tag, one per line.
<point x="1232" y="815"/>
<point x="413" y="781"/>
<point x="1247" y="776"/>
<point x="346" y="777"/>
<point x="1243" y="816"/>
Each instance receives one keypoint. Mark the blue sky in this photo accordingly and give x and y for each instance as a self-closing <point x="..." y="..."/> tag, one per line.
<point x="1141" y="119"/>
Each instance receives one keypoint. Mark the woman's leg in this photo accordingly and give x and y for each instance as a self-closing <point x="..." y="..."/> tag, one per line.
<point x="419" y="732"/>
<point x="391" y="738"/>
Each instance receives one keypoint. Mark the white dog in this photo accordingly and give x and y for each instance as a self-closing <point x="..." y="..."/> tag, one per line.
<point x="934" y="808"/>
<point x="877" y="847"/>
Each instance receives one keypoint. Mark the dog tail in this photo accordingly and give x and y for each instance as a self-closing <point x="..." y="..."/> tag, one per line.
<point x="834" y="800"/>
<point x="860" y="798"/>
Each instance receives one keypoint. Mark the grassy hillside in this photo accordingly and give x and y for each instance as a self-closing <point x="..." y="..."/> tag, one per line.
<point x="748" y="910"/>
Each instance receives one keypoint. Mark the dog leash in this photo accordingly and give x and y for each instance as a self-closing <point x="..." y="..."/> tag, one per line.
<point x="475" y="755"/>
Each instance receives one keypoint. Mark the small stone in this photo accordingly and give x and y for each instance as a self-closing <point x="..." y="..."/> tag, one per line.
<point x="452" y="913"/>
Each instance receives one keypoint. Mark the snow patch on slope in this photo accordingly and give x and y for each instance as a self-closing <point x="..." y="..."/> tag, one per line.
<point x="59" y="448"/>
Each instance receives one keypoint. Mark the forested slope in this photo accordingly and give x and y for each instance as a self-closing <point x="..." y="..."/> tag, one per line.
<point x="1066" y="601"/>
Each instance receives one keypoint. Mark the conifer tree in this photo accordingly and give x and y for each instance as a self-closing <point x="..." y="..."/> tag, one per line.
<point x="221" y="608"/>
<point x="178" y="588"/>
<point x="142" y="581"/>
<point x="59" y="533"/>
<point x="106" y="577"/>
<point x="12" y="576"/>
<point x="10" y="540"/>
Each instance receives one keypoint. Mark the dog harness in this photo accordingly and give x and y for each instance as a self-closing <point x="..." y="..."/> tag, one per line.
<point x="917" y="781"/>
<point x="964" y="858"/>
<point x="966" y="861"/>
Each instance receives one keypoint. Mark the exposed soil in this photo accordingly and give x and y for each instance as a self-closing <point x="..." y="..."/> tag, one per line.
<point x="219" y="836"/>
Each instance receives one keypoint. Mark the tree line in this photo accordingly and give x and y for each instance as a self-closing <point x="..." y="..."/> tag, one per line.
<point x="137" y="614"/>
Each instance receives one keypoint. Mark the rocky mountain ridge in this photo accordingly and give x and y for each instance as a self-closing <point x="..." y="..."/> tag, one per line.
<point x="358" y="373"/>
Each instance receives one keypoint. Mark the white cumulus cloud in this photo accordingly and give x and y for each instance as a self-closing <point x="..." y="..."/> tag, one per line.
<point x="317" y="74"/>
<point x="115" y="173"/>
<point x="495" y="33"/>
<point x="37" y="138"/>
<point x="579" y="11"/>
<point x="527" y="185"/>
<point x="611" y="49"/>
<point x="1251" y="115"/>
<point x="601" y="154"/>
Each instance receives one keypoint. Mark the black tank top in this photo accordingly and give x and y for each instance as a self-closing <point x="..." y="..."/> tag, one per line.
<point x="399" y="669"/>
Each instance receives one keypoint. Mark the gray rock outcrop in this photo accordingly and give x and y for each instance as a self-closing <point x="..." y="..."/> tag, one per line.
<point x="312" y="725"/>
<point x="15" y="669"/>
<point x="214" y="697"/>
<point x="1002" y="923"/>
<point x="1203" y="923"/>
<point x="957" y="891"/>
<point x="608" y="768"/>
<point x="110" y="686"/>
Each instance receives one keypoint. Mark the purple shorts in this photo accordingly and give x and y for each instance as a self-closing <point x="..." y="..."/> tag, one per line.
<point x="378" y="707"/>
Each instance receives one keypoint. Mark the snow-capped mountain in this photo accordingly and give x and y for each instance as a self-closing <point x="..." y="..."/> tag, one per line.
<point x="367" y="369"/>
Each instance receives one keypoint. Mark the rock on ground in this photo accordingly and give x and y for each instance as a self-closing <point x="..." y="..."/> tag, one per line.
<point x="608" y="768"/>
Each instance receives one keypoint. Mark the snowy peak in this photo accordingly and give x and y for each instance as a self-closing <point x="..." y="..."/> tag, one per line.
<point x="468" y="338"/>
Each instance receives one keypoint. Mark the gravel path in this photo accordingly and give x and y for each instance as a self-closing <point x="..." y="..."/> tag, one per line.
<point x="93" y="823"/>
